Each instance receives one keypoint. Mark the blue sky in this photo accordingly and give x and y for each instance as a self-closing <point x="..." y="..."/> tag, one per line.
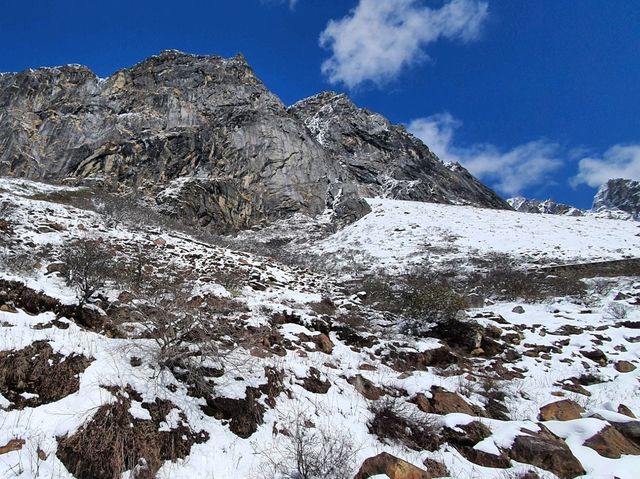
<point x="540" y="98"/>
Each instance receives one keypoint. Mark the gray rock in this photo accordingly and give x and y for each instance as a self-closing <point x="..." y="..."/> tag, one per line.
<point x="548" y="207"/>
<point x="384" y="159"/>
<point x="618" y="196"/>
<point x="205" y="138"/>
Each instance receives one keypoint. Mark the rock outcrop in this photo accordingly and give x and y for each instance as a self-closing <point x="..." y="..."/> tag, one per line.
<point x="207" y="141"/>
<point x="549" y="207"/>
<point x="385" y="159"/>
<point x="618" y="196"/>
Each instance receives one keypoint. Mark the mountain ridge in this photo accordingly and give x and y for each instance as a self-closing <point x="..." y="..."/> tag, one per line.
<point x="204" y="138"/>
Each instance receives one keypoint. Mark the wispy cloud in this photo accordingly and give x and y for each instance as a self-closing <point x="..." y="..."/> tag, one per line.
<point x="510" y="171"/>
<point x="378" y="39"/>
<point x="619" y="161"/>
<point x="291" y="3"/>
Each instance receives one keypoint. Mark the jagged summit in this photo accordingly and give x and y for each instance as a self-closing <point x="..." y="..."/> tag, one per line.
<point x="549" y="207"/>
<point x="204" y="138"/>
<point x="619" y="195"/>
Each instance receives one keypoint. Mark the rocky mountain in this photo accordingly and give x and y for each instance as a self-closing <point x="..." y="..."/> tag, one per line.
<point x="549" y="207"/>
<point x="384" y="159"/>
<point x="206" y="140"/>
<point x="618" y="195"/>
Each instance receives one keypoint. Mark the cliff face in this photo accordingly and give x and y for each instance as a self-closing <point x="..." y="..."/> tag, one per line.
<point x="207" y="140"/>
<point x="549" y="207"/>
<point x="384" y="159"/>
<point x="619" y="195"/>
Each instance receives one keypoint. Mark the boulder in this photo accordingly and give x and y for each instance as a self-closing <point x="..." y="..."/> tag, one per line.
<point x="443" y="402"/>
<point x="609" y="442"/>
<point x="624" y="366"/>
<point x="392" y="467"/>
<point x="547" y="451"/>
<point x="564" y="410"/>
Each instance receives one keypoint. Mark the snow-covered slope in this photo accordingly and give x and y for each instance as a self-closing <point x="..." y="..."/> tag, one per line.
<point x="398" y="234"/>
<point x="299" y="362"/>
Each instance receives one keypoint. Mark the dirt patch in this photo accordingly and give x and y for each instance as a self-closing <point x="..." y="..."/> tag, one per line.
<point x="244" y="415"/>
<point x="20" y="296"/>
<point x="114" y="441"/>
<point x="36" y="375"/>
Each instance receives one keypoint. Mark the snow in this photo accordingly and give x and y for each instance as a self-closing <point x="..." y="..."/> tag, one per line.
<point x="395" y="234"/>
<point x="399" y="234"/>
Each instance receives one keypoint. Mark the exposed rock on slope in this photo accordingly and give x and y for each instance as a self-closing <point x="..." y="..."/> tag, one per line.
<point x="618" y="195"/>
<point x="549" y="207"/>
<point x="209" y="142"/>
<point x="385" y="159"/>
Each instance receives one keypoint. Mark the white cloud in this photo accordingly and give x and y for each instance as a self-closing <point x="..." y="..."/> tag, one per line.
<point x="380" y="38"/>
<point x="292" y="3"/>
<point x="510" y="171"/>
<point x="619" y="161"/>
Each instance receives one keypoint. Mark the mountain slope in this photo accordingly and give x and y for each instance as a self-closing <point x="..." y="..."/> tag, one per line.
<point x="618" y="195"/>
<point x="86" y="395"/>
<point x="384" y="159"/>
<point x="207" y="141"/>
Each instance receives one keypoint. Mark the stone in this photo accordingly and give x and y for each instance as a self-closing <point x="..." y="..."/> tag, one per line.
<point x="624" y="366"/>
<point x="391" y="466"/>
<point x="518" y="310"/>
<point x="565" y="410"/>
<point x="314" y="382"/>
<point x="609" y="442"/>
<point x="546" y="451"/>
<point x="443" y="402"/>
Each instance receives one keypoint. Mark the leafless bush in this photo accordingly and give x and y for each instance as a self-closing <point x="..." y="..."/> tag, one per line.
<point x="393" y="420"/>
<point x="190" y="340"/>
<point x="87" y="267"/>
<point x="309" y="452"/>
<point x="617" y="311"/>
<point x="502" y="277"/>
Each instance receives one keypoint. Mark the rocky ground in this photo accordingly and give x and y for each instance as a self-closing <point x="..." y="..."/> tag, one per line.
<point x="298" y="364"/>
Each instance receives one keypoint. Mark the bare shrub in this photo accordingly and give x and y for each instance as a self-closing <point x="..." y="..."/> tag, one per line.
<point x="393" y="420"/>
<point x="429" y="305"/>
<point x="502" y="277"/>
<point x="309" y="452"/>
<point x="190" y="339"/>
<point x="617" y="311"/>
<point x="114" y="442"/>
<point x="87" y="267"/>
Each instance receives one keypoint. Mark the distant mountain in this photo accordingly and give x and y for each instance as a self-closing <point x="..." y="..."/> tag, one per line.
<point x="618" y="195"/>
<point x="206" y="140"/>
<point x="549" y="207"/>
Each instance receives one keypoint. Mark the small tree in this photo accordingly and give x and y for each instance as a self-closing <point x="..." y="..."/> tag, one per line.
<point x="190" y="339"/>
<point x="310" y="453"/>
<point x="87" y="267"/>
